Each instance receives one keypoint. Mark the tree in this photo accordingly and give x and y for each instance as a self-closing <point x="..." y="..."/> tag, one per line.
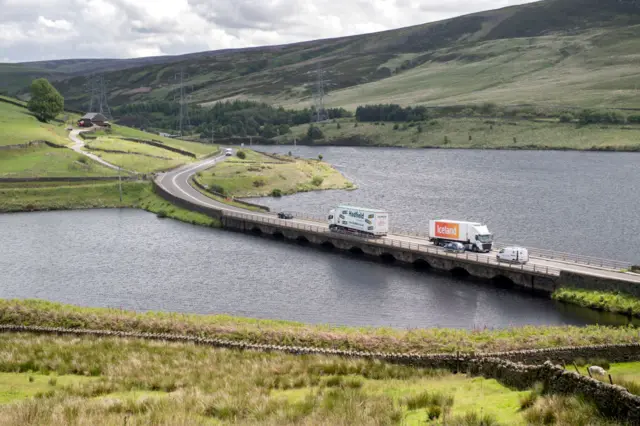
<point x="46" y="102"/>
<point x="314" y="133"/>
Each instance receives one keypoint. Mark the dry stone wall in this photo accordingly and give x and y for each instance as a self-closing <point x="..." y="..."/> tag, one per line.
<point x="613" y="401"/>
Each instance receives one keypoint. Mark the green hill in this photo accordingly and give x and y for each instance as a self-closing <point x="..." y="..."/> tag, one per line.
<point x="568" y="52"/>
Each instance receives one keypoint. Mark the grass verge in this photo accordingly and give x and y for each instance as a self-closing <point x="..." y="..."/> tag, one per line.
<point x="603" y="301"/>
<point x="57" y="380"/>
<point x="32" y="196"/>
<point x="434" y="340"/>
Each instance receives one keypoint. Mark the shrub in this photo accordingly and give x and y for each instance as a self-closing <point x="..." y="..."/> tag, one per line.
<point x="419" y="128"/>
<point x="434" y="412"/>
<point x="566" y="117"/>
<point x="53" y="381"/>
<point x="317" y="180"/>
<point x="528" y="399"/>
<point x="161" y="214"/>
<point x="289" y="154"/>
<point x="396" y="126"/>
<point x="446" y="140"/>
<point x="258" y="182"/>
<point x="355" y="124"/>
<point x="314" y="133"/>
<point x="470" y="138"/>
<point x="82" y="159"/>
<point x="320" y="157"/>
<point x="635" y="268"/>
<point x="635" y="119"/>
<point x="276" y="192"/>
<point x="474" y="419"/>
<point x="515" y="140"/>
<point x="337" y="125"/>
<point x="241" y="155"/>
<point x="217" y="188"/>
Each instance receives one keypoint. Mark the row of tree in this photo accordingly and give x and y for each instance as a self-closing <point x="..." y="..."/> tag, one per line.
<point x="223" y="119"/>
<point x="390" y="112"/>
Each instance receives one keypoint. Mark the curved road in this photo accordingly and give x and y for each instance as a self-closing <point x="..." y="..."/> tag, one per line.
<point x="177" y="183"/>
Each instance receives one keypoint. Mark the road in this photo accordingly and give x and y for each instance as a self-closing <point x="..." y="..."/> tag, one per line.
<point x="78" y="144"/>
<point x="177" y="183"/>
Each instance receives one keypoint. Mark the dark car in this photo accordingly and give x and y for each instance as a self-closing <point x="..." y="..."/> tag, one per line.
<point x="285" y="215"/>
<point x="454" y="247"/>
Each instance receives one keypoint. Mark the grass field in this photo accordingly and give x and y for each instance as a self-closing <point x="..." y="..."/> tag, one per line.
<point x="434" y="340"/>
<point x="31" y="196"/>
<point x="260" y="175"/>
<point x="140" y="158"/>
<point x="480" y="133"/>
<point x="42" y="160"/>
<point x="18" y="126"/>
<point x="69" y="380"/>
<point x="200" y="149"/>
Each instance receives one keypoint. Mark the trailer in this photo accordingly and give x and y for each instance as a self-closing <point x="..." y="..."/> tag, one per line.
<point x="474" y="235"/>
<point x="359" y="220"/>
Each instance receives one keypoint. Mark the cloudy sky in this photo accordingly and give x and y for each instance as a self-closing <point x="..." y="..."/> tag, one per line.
<point x="33" y="30"/>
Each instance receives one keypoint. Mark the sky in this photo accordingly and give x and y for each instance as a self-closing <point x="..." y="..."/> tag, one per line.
<point x="34" y="30"/>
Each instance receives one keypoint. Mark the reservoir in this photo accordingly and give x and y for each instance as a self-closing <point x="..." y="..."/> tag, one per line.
<point x="130" y="259"/>
<point x="577" y="202"/>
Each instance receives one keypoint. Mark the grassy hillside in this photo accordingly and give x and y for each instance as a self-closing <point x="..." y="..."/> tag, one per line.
<point x="19" y="126"/>
<point x="475" y="133"/>
<point x="576" y="52"/>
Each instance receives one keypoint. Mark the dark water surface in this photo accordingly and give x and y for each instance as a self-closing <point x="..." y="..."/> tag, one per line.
<point x="578" y="202"/>
<point x="131" y="259"/>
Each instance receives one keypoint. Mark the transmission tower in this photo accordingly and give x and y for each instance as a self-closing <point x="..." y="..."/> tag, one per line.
<point x="97" y="88"/>
<point x="183" y="120"/>
<point x="318" y="95"/>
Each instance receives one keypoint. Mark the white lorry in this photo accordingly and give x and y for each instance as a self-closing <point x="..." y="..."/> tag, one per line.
<point x="475" y="236"/>
<point x="359" y="220"/>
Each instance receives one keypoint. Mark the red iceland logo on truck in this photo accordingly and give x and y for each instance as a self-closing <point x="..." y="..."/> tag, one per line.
<point x="447" y="230"/>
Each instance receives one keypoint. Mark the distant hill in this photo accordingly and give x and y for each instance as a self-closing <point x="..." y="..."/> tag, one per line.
<point x="560" y="52"/>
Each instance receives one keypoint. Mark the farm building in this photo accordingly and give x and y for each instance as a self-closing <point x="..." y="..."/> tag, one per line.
<point x="93" y="118"/>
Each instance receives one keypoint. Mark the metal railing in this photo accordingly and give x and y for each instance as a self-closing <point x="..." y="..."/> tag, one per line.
<point x="389" y="242"/>
<point x="615" y="265"/>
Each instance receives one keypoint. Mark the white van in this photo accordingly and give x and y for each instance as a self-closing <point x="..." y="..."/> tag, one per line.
<point x="513" y="255"/>
<point x="228" y="152"/>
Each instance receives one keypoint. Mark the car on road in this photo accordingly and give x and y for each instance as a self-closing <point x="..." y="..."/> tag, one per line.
<point x="454" y="247"/>
<point x="513" y="255"/>
<point x="228" y="152"/>
<point x="285" y="215"/>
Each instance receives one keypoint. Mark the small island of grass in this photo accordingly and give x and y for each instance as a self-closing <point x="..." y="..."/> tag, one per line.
<point x="253" y="174"/>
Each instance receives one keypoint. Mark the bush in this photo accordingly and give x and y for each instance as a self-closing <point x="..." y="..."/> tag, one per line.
<point x="566" y="117"/>
<point x="258" y="182"/>
<point x="161" y="214"/>
<point x="528" y="399"/>
<point x="635" y="119"/>
<point x="241" y="155"/>
<point x="314" y="133"/>
<point x="317" y="180"/>
<point x="276" y="192"/>
<point x="635" y="268"/>
<point x="82" y="159"/>
<point x="474" y="419"/>
<point x="419" y="128"/>
<point x="217" y="188"/>
<point x="320" y="157"/>
<point x="396" y="126"/>
<point x="337" y="125"/>
<point x="446" y="140"/>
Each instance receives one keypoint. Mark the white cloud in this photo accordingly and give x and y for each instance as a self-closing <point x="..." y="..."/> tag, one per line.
<point x="51" y="29"/>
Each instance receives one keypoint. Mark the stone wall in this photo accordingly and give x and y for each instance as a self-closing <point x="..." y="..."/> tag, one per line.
<point x="180" y="202"/>
<point x="246" y="203"/>
<point x="590" y="282"/>
<point x="159" y="144"/>
<point x="67" y="179"/>
<point x="613" y="401"/>
<point x="30" y="144"/>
